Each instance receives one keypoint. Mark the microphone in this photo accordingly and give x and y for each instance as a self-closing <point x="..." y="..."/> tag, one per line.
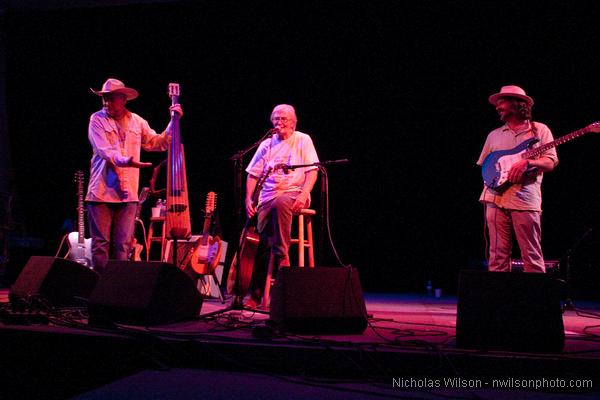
<point x="341" y="161"/>
<point x="271" y="132"/>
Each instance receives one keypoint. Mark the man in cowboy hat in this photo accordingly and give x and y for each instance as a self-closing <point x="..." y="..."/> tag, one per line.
<point x="117" y="135"/>
<point x="516" y="207"/>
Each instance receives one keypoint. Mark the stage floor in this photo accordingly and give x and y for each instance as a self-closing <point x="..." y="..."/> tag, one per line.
<point x="408" y="350"/>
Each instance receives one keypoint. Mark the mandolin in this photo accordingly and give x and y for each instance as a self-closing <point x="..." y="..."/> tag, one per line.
<point x="80" y="248"/>
<point x="178" y="224"/>
<point x="206" y="252"/>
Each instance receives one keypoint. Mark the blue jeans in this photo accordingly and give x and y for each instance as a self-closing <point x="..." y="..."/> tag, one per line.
<point x="111" y="229"/>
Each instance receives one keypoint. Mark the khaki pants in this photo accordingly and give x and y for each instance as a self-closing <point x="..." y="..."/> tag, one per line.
<point x="526" y="225"/>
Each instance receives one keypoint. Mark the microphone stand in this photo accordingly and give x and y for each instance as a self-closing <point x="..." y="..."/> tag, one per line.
<point x="567" y="257"/>
<point x="238" y="168"/>
<point x="317" y="164"/>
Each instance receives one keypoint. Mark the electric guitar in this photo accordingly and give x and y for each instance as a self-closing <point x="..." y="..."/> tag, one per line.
<point x="80" y="248"/>
<point x="497" y="164"/>
<point x="206" y="252"/>
<point x="136" y="247"/>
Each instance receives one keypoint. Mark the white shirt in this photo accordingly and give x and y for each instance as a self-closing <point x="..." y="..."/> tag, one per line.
<point x="110" y="181"/>
<point x="273" y="152"/>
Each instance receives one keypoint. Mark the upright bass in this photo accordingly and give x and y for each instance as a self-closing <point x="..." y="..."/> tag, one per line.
<point x="178" y="224"/>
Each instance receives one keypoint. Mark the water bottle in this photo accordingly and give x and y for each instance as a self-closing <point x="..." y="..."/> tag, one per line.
<point x="156" y="210"/>
<point x="163" y="208"/>
<point x="429" y="288"/>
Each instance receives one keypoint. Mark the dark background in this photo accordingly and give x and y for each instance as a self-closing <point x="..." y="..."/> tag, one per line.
<point x="399" y="88"/>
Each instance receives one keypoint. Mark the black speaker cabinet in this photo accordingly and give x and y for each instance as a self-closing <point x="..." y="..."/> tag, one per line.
<point x="321" y="300"/>
<point x="509" y="311"/>
<point x="59" y="281"/>
<point x="143" y="293"/>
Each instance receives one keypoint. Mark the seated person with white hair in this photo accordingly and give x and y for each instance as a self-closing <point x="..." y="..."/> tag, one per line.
<point x="283" y="192"/>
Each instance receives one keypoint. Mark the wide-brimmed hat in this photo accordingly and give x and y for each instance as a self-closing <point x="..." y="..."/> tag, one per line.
<point x="510" y="91"/>
<point x="116" y="86"/>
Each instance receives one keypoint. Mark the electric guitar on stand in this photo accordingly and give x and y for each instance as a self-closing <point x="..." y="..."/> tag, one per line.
<point x="206" y="252"/>
<point x="80" y="248"/>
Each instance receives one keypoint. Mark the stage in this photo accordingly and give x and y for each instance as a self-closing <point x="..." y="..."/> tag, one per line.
<point x="408" y="350"/>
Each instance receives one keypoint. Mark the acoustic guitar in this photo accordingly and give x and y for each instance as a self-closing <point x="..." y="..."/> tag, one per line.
<point x="497" y="164"/>
<point x="80" y="247"/>
<point x="206" y="253"/>
<point x="248" y="245"/>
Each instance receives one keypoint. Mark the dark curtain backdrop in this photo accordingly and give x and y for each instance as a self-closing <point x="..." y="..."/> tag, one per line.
<point x="399" y="88"/>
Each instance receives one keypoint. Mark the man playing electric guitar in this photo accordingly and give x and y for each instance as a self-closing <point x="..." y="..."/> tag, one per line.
<point x="516" y="205"/>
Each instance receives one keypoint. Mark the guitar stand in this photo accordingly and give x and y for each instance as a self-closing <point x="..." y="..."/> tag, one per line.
<point x="176" y="233"/>
<point x="238" y="301"/>
<point x="218" y="284"/>
<point x="144" y="238"/>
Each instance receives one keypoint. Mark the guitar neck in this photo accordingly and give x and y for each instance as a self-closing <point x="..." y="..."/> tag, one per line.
<point x="80" y="210"/>
<point x="259" y="185"/>
<point x="81" y="223"/>
<point x="535" y="152"/>
<point x="206" y="229"/>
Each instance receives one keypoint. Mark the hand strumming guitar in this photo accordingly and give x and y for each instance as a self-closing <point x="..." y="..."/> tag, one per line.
<point x="515" y="175"/>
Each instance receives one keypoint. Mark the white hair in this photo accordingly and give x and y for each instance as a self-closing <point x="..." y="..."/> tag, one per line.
<point x="286" y="107"/>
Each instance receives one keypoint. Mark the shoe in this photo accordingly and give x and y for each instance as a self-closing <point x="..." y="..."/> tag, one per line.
<point x="251" y="304"/>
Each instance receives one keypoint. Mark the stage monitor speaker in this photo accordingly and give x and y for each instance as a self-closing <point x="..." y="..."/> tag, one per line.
<point x="509" y="311"/>
<point x="321" y="300"/>
<point x="143" y="293"/>
<point x="60" y="282"/>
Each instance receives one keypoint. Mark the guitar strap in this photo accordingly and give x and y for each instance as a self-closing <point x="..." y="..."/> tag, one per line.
<point x="534" y="130"/>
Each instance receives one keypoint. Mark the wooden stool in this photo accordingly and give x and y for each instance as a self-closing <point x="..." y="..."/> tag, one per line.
<point x="304" y="239"/>
<point x="151" y="238"/>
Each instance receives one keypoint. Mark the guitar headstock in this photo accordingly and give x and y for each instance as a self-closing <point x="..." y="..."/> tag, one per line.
<point x="211" y="203"/>
<point x="144" y="194"/>
<point x="78" y="176"/>
<point x="173" y="90"/>
<point x="593" y="127"/>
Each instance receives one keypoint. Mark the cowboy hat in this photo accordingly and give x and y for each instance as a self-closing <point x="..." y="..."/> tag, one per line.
<point x="116" y="86"/>
<point x="510" y="91"/>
